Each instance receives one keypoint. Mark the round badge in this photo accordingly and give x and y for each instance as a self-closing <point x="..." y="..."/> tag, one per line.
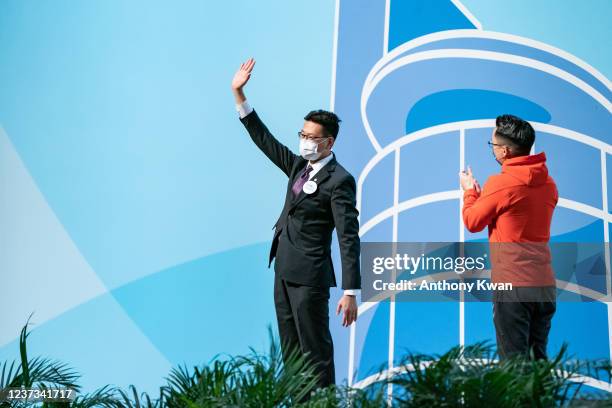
<point x="310" y="187"/>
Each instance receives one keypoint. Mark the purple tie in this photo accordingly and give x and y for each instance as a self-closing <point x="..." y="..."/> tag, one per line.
<point x="299" y="183"/>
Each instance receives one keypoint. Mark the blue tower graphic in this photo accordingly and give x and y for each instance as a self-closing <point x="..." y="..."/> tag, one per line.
<point x="418" y="86"/>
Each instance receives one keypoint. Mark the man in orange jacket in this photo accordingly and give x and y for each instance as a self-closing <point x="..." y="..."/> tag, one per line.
<point x="517" y="207"/>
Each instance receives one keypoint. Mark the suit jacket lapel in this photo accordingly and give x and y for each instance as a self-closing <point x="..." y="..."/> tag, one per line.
<point x="318" y="178"/>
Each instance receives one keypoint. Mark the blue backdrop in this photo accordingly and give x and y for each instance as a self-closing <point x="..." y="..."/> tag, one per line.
<point x="136" y="214"/>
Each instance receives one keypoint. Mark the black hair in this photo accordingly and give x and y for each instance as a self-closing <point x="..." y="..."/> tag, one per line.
<point x="329" y="120"/>
<point x="518" y="132"/>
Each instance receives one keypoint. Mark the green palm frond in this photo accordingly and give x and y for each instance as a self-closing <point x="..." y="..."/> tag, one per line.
<point x="44" y="371"/>
<point x="10" y="375"/>
<point x="37" y="372"/>
<point x="136" y="400"/>
<point x="25" y="370"/>
<point x="473" y="376"/>
<point x="255" y="380"/>
<point x="346" y="397"/>
<point x="205" y="387"/>
<point x="470" y="376"/>
<point x="104" y="397"/>
<point x="271" y="380"/>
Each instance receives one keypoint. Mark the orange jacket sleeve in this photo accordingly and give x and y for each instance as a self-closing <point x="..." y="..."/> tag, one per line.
<point x="479" y="210"/>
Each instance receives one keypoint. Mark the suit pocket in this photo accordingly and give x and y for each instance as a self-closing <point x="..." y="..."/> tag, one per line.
<point x="306" y="248"/>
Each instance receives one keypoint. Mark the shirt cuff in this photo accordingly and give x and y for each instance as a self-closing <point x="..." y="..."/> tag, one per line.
<point x="351" y="292"/>
<point x="244" y="109"/>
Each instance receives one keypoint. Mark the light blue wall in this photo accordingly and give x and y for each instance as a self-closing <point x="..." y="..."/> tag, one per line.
<point x="580" y="28"/>
<point x="125" y="170"/>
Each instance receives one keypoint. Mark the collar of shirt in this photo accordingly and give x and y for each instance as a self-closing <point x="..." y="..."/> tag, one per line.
<point x="319" y="165"/>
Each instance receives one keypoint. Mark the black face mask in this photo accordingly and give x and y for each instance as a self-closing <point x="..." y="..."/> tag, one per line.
<point x="496" y="159"/>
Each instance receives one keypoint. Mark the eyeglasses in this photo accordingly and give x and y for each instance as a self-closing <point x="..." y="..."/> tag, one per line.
<point x="317" y="139"/>
<point x="491" y="144"/>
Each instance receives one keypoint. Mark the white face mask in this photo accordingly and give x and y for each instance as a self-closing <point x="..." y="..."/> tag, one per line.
<point x="308" y="149"/>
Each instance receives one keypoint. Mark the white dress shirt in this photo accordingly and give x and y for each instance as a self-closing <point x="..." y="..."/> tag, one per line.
<point x="243" y="110"/>
<point x="318" y="165"/>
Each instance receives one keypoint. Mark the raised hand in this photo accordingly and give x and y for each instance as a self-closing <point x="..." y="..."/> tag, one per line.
<point x="241" y="77"/>
<point x="467" y="180"/>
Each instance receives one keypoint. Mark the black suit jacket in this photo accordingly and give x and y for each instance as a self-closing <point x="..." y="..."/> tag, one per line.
<point x="303" y="232"/>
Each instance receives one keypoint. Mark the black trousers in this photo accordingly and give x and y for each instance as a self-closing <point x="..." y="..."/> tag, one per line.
<point x="522" y="319"/>
<point x="302" y="313"/>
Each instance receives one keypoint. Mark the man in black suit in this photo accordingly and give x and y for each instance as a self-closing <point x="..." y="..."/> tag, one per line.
<point x="320" y="197"/>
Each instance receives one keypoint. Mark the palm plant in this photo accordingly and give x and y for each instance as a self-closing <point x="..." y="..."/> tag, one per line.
<point x="136" y="400"/>
<point x="35" y="372"/>
<point x="254" y="380"/>
<point x="472" y="377"/>
<point x="205" y="387"/>
<point x="257" y="380"/>
<point x="102" y="397"/>
<point x="463" y="377"/>
<point x="43" y="373"/>
<point x="347" y="397"/>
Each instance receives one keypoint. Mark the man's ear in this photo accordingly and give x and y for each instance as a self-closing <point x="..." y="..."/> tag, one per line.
<point x="332" y="140"/>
